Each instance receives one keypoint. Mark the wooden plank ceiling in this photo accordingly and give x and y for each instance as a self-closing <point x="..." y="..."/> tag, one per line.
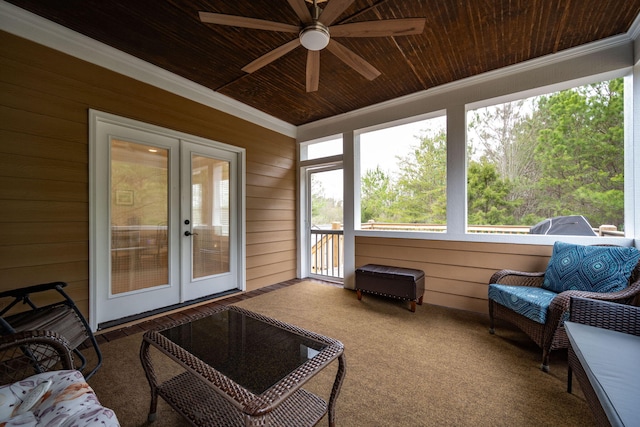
<point x="462" y="38"/>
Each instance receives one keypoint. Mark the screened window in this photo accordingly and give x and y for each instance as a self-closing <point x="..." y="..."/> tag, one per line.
<point x="321" y="149"/>
<point x="403" y="177"/>
<point x="557" y="158"/>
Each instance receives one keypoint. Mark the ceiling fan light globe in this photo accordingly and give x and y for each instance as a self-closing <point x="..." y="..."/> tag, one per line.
<point x="315" y="37"/>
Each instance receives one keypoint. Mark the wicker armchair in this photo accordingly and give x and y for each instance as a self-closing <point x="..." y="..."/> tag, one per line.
<point x="551" y="335"/>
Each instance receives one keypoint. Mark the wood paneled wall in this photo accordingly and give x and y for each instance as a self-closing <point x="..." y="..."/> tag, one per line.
<point x="44" y="211"/>
<point x="456" y="273"/>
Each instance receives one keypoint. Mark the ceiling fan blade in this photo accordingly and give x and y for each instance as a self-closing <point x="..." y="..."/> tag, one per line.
<point x="301" y="9"/>
<point x="313" y="70"/>
<point x="333" y="9"/>
<point x="353" y="60"/>
<point x="244" y="22"/>
<point x="386" y="28"/>
<point x="271" y="56"/>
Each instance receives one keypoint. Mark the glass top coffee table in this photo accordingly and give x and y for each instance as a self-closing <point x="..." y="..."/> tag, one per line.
<point x="242" y="369"/>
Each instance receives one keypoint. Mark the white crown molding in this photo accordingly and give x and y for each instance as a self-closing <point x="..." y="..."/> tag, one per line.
<point x="634" y="34"/>
<point x="634" y="30"/>
<point x="32" y="27"/>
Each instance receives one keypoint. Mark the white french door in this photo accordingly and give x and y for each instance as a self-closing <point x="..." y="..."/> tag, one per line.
<point x="209" y="256"/>
<point x="166" y="219"/>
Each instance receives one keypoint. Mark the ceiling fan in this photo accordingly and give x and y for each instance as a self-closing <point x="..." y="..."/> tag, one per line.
<point x="315" y="33"/>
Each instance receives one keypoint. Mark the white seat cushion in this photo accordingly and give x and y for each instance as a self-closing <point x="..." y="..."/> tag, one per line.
<point x="69" y="401"/>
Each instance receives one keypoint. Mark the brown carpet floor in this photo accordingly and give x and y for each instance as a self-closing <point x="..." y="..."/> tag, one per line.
<point x="434" y="367"/>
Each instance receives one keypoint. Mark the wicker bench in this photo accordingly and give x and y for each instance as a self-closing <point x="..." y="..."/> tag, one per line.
<point x="395" y="282"/>
<point x="604" y="344"/>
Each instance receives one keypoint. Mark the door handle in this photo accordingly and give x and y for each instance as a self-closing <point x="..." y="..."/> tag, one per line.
<point x="188" y="233"/>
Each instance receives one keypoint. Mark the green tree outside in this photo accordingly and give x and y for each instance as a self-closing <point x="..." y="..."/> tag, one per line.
<point x="488" y="195"/>
<point x="581" y="153"/>
<point x="422" y="182"/>
<point x="377" y="196"/>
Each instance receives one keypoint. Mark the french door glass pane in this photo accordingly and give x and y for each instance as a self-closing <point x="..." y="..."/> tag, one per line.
<point x="139" y="213"/>
<point x="210" y="215"/>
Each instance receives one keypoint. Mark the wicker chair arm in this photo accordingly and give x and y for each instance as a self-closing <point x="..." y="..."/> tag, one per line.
<point x="23" y="354"/>
<point x="518" y="278"/>
<point x="625" y="296"/>
<point x="607" y="315"/>
<point x="51" y="338"/>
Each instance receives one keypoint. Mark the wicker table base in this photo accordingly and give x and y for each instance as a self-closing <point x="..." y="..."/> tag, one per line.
<point x="207" y="397"/>
<point x="204" y="407"/>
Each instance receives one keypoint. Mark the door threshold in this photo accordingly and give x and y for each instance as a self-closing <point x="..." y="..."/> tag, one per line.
<point x="162" y="310"/>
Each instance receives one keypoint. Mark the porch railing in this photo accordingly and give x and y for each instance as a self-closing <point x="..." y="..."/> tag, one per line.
<point x="327" y="246"/>
<point x="327" y="253"/>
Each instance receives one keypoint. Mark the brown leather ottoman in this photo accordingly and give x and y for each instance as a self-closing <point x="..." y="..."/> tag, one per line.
<point x="395" y="282"/>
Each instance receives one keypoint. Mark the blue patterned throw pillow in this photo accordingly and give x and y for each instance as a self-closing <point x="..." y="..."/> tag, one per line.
<point x="589" y="268"/>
